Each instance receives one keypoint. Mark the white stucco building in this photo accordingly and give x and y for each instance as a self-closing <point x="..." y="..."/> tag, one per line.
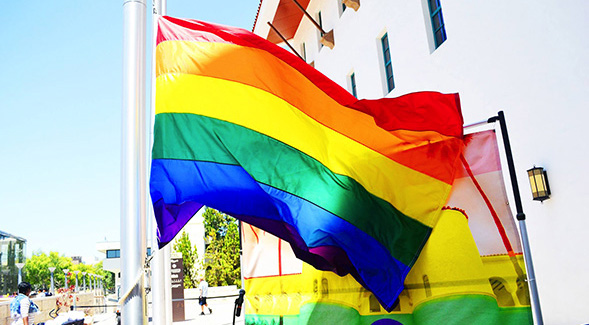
<point x="527" y="59"/>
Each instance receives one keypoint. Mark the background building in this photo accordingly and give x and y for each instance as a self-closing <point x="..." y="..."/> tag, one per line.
<point x="12" y="251"/>
<point x="527" y="60"/>
<point x="76" y="260"/>
<point x="112" y="249"/>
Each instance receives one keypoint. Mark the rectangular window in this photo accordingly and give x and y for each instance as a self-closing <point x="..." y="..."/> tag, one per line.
<point x="435" y="11"/>
<point x="353" y="84"/>
<point x="342" y="7"/>
<point x="320" y="22"/>
<point x="304" y="52"/>
<point x="388" y="65"/>
<point x="113" y="253"/>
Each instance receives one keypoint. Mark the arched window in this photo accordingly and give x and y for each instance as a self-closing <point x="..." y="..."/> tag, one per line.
<point x="504" y="297"/>
<point x="523" y="293"/>
<point x="426" y="286"/>
<point x="324" y="287"/>
<point x="374" y="304"/>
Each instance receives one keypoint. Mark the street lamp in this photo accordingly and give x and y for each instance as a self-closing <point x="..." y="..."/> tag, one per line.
<point x="84" y="276"/>
<point x="539" y="183"/>
<point x="100" y="284"/>
<point x="77" y="288"/>
<point x="20" y="266"/>
<point x="65" y="271"/>
<point x="52" y="289"/>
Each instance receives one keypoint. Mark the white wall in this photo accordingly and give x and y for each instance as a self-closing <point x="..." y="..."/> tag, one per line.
<point x="196" y="233"/>
<point x="528" y="59"/>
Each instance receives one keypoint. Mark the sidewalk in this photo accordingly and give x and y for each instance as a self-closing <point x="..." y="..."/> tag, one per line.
<point x="222" y="312"/>
<point x="222" y="309"/>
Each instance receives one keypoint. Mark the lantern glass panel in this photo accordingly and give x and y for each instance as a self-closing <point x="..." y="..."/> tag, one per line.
<point x="538" y="184"/>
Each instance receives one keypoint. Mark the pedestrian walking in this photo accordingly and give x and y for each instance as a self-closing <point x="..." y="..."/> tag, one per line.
<point x="202" y="298"/>
<point x="22" y="309"/>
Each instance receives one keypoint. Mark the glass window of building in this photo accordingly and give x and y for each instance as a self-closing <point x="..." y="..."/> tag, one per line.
<point x="12" y="251"/>
<point x="439" y="31"/>
<point x="113" y="253"/>
<point x="320" y="22"/>
<point x="388" y="65"/>
<point x="353" y="84"/>
<point x="304" y="52"/>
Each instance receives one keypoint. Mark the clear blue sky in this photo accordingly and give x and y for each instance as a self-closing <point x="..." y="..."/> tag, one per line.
<point x="60" y="105"/>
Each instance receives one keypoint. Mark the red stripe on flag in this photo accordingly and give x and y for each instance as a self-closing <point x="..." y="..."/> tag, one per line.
<point x="496" y="219"/>
<point x="422" y="111"/>
<point x="255" y="234"/>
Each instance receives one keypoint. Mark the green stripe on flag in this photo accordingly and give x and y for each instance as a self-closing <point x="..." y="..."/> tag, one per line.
<point x="199" y="138"/>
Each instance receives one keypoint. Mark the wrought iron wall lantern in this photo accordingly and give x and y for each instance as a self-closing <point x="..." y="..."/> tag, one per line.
<point x="539" y="183"/>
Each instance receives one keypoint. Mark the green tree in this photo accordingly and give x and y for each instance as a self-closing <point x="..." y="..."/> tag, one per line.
<point x="108" y="279"/>
<point x="189" y="257"/>
<point x="222" y="254"/>
<point x="36" y="270"/>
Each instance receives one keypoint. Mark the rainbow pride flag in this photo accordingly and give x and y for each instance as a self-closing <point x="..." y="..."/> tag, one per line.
<point x="245" y="127"/>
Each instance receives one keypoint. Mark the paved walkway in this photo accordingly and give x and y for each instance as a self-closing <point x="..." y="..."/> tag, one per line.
<point x="222" y="310"/>
<point x="222" y="314"/>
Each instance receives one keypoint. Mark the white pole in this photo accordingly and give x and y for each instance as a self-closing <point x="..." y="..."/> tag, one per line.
<point x="133" y="182"/>
<point x="77" y="288"/>
<point x="20" y="266"/>
<point x="531" y="274"/>
<point x="168" y="281"/>
<point x="84" y="277"/>
<point x="65" y="271"/>
<point x="161" y="305"/>
<point x="52" y="288"/>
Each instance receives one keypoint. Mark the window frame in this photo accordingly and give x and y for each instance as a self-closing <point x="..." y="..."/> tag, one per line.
<point x="320" y="22"/>
<point x="304" y="51"/>
<point x="342" y="7"/>
<point x="388" y="64"/>
<point x="442" y="28"/>
<point x="353" y="85"/>
<point x="117" y="253"/>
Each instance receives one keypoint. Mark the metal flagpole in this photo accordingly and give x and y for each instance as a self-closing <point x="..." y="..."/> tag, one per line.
<point x="133" y="165"/>
<point x="168" y="249"/>
<point x="521" y="217"/>
<point x="168" y="281"/>
<point x="161" y="312"/>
